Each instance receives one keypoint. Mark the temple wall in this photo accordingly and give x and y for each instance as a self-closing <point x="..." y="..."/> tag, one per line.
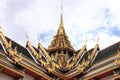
<point x="107" y="77"/>
<point x="5" y="77"/>
<point x="27" y="77"/>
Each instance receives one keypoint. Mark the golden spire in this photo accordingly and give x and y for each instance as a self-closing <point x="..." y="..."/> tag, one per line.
<point x="60" y="40"/>
<point x="61" y="28"/>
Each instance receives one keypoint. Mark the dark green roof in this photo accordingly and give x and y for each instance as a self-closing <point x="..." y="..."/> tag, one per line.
<point x="1" y="48"/>
<point x="2" y="55"/>
<point x="37" y="50"/>
<point x="85" y="56"/>
<point x="20" y="48"/>
<point x="107" y="52"/>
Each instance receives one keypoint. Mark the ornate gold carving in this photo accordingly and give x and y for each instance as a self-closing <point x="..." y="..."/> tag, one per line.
<point x="37" y="55"/>
<point x="117" y="60"/>
<point x="61" y="59"/>
<point x="18" y="58"/>
<point x="56" y="61"/>
<point x="12" y="52"/>
<point x="44" y="51"/>
<point x="76" y="57"/>
<point x="49" y="60"/>
<point x="94" y="51"/>
<point x="81" y="67"/>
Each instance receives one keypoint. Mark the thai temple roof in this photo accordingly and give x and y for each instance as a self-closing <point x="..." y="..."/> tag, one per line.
<point x="59" y="61"/>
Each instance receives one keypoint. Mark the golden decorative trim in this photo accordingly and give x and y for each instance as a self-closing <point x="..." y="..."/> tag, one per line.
<point x="51" y="62"/>
<point x="12" y="52"/>
<point x="75" y="58"/>
<point x="86" y="63"/>
<point x="38" y="57"/>
<point x="117" y="60"/>
<point x="40" y="46"/>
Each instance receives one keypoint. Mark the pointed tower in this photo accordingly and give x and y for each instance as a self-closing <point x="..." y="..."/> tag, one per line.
<point x="60" y="41"/>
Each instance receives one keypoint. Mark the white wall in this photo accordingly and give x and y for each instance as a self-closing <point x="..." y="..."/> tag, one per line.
<point x="27" y="77"/>
<point x="107" y="78"/>
<point x="5" y="77"/>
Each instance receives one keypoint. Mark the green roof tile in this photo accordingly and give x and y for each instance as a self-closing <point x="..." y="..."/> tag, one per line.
<point x="109" y="51"/>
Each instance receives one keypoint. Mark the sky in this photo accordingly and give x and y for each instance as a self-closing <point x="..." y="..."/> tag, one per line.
<point x="82" y="19"/>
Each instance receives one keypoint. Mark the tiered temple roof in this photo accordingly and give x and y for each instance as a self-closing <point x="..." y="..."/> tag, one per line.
<point x="60" y="61"/>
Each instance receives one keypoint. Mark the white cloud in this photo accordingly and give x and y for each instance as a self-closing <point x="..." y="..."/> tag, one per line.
<point x="107" y="40"/>
<point x="81" y="18"/>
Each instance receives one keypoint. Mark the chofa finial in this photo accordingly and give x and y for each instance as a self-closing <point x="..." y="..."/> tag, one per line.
<point x="27" y="38"/>
<point x="86" y="40"/>
<point x="0" y="29"/>
<point x="98" y="39"/>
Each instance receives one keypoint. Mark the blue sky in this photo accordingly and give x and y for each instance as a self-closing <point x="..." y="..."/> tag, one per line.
<point x="81" y="18"/>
